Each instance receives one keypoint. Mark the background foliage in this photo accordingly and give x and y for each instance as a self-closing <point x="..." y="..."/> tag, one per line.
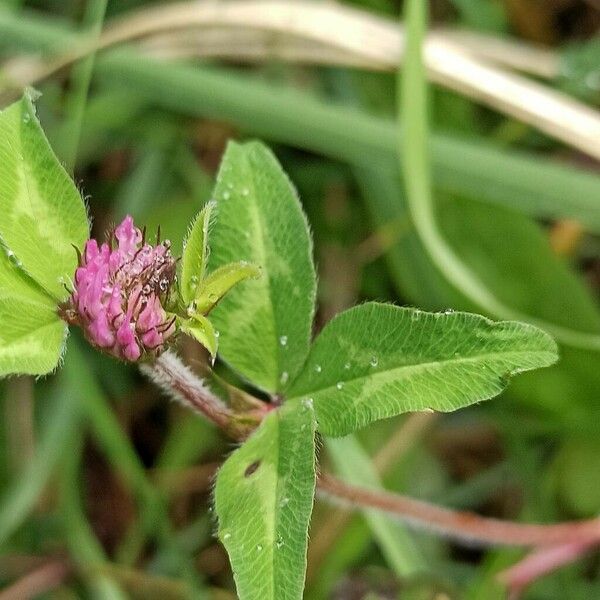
<point x="98" y="469"/>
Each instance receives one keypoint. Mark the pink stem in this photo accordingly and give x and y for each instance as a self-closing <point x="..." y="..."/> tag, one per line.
<point x="173" y="377"/>
<point x="540" y="562"/>
<point x="463" y="526"/>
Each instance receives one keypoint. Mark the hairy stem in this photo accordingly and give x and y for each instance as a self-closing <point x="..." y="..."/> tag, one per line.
<point x="541" y="562"/>
<point x="463" y="526"/>
<point x="178" y="381"/>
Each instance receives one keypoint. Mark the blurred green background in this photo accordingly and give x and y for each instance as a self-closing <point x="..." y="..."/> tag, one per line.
<point x="106" y="486"/>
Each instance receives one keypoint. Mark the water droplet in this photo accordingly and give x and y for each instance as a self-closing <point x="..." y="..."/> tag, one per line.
<point x="226" y="536"/>
<point x="416" y="315"/>
<point x="284" y="378"/>
<point x="26" y="118"/>
<point x="307" y="403"/>
<point x="245" y="192"/>
<point x="347" y="366"/>
<point x="12" y="257"/>
<point x="318" y="368"/>
<point x="283" y="340"/>
<point x="213" y="297"/>
<point x="374" y="361"/>
<point x="194" y="279"/>
<point x="226" y="195"/>
<point x="259" y="547"/>
<point x="279" y="543"/>
<point x="284" y="501"/>
<point x="448" y="311"/>
<point x="339" y="385"/>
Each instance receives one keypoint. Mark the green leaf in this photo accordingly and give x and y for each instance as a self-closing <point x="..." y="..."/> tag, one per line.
<point x="195" y="254"/>
<point x="31" y="337"/>
<point x="15" y="283"/>
<point x="219" y="282"/>
<point x="41" y="212"/>
<point x="264" y="497"/>
<point x="266" y="324"/>
<point x="200" y="328"/>
<point x="32" y="334"/>
<point x="375" y="361"/>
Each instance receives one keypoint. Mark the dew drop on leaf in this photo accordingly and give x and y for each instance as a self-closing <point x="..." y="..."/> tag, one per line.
<point x="284" y="378"/>
<point x="374" y="361"/>
<point x="245" y="192"/>
<point x="284" y="501"/>
<point x="279" y="543"/>
<point x="12" y="257"/>
<point x="347" y="366"/>
<point x="339" y="385"/>
<point x="226" y="195"/>
<point x="226" y="536"/>
<point x="259" y="547"/>
<point x="318" y="368"/>
<point x="307" y="403"/>
<point x="283" y="340"/>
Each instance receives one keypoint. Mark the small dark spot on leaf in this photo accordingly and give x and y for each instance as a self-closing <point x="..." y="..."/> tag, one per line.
<point x="251" y="468"/>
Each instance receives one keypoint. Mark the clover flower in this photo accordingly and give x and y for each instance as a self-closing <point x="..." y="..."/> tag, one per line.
<point x="120" y="292"/>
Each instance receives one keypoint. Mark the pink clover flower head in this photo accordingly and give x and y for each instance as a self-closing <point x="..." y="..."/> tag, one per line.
<point x="120" y="291"/>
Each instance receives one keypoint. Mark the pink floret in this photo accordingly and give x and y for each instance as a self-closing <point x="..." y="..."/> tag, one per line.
<point x="120" y="293"/>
